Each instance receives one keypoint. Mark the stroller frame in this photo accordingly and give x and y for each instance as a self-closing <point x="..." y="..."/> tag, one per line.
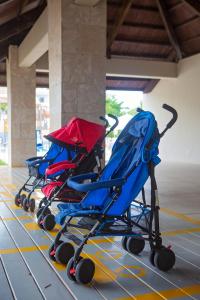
<point x="81" y="269"/>
<point x="46" y="219"/>
<point x="34" y="181"/>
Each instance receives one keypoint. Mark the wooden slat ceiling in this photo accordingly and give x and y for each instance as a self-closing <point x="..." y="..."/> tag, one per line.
<point x="166" y="30"/>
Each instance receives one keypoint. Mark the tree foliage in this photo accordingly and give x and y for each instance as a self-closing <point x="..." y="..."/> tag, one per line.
<point x="4" y="107"/>
<point x="114" y="107"/>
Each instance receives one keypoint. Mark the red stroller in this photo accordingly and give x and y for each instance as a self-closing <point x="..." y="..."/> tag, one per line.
<point x="86" y="139"/>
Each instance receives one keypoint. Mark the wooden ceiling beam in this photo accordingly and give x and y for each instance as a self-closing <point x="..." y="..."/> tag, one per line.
<point x="143" y="42"/>
<point x="150" y="85"/>
<point x="194" y="5"/>
<point x="19" y="24"/>
<point x="129" y="79"/>
<point x="123" y="11"/>
<point x="169" y="28"/>
<point x="135" y="55"/>
<point x="136" y="7"/>
<point x="146" y="26"/>
<point x="127" y="89"/>
<point x="22" y="4"/>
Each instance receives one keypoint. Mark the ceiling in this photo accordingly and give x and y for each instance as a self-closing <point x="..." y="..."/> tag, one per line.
<point x="165" y="30"/>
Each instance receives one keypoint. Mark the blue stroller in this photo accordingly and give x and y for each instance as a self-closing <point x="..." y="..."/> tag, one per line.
<point x="36" y="174"/>
<point x="111" y="202"/>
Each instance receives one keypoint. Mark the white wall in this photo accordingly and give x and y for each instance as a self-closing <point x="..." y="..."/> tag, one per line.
<point x="182" y="142"/>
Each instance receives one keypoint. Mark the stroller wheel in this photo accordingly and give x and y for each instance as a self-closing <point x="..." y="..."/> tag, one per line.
<point x="22" y="198"/>
<point x="151" y="257"/>
<point x="124" y="242"/>
<point x="17" y="200"/>
<point x="85" y="270"/>
<point x="64" y="252"/>
<point x="25" y="204"/>
<point x="52" y="251"/>
<point x="47" y="212"/>
<point x="48" y="222"/>
<point x="135" y="245"/>
<point x="32" y="204"/>
<point x="164" y="259"/>
<point x="40" y="221"/>
<point x="71" y="270"/>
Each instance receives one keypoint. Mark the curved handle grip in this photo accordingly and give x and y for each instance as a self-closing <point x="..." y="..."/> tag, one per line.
<point x="174" y="115"/>
<point x="139" y="109"/>
<point x="173" y="119"/>
<point x="114" y="125"/>
<point x="104" y="120"/>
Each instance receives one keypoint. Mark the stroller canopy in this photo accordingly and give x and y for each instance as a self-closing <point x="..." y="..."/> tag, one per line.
<point x="78" y="133"/>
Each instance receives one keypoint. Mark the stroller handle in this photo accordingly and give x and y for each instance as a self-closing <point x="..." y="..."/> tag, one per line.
<point x="173" y="119"/>
<point x="139" y="109"/>
<point x="174" y="115"/>
<point x="104" y="120"/>
<point x="114" y="125"/>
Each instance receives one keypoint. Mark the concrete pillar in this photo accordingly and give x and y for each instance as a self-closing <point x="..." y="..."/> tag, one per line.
<point x="77" y="60"/>
<point x="21" y="110"/>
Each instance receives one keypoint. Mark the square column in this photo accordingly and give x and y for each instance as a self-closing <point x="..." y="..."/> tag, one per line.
<point x="77" y="61"/>
<point x="21" y="84"/>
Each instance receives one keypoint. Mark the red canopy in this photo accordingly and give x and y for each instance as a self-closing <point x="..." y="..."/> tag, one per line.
<point x="78" y="132"/>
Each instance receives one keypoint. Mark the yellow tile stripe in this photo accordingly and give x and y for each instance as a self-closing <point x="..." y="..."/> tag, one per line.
<point x="5" y="194"/>
<point x="7" y="200"/>
<point x="15" y="219"/>
<point x="11" y="186"/>
<point x="15" y="207"/>
<point x="180" y="231"/>
<point x="168" y="294"/>
<point x="23" y="249"/>
<point x="181" y="216"/>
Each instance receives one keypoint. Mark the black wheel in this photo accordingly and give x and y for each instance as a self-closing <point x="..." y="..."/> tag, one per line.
<point x="164" y="259"/>
<point x="32" y="204"/>
<point x="151" y="257"/>
<point x="22" y="198"/>
<point x="17" y="200"/>
<point x="46" y="212"/>
<point x="135" y="245"/>
<point x="64" y="252"/>
<point x="52" y="251"/>
<point x="85" y="271"/>
<point x="40" y="221"/>
<point x="49" y="222"/>
<point x="25" y="204"/>
<point x="124" y="242"/>
<point x="71" y="270"/>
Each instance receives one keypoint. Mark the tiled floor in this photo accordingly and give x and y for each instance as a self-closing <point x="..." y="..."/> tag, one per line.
<point x="26" y="272"/>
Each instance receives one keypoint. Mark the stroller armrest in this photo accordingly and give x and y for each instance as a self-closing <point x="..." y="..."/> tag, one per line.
<point x="31" y="159"/>
<point x="74" y="182"/>
<point x="63" y="165"/>
<point x="37" y="162"/>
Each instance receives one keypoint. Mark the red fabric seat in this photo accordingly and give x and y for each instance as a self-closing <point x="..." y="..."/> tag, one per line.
<point x="66" y="194"/>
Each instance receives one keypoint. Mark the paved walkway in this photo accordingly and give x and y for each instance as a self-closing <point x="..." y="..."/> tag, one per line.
<point x="26" y="272"/>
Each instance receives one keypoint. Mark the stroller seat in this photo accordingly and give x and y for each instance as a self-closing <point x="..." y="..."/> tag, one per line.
<point x="66" y="194"/>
